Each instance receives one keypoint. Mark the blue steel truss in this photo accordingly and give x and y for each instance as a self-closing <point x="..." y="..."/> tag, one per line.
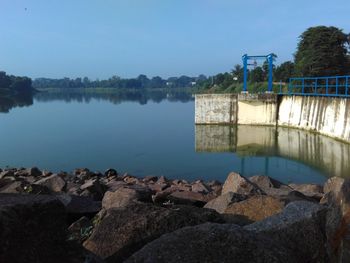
<point x="331" y="86"/>
<point x="269" y="58"/>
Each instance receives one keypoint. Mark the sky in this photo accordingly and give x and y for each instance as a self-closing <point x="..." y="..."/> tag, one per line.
<point x="101" y="38"/>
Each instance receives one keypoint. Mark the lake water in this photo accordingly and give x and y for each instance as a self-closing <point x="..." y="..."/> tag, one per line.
<point x="154" y="134"/>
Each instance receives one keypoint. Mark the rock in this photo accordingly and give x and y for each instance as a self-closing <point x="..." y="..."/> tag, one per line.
<point x="80" y="230"/>
<point x="338" y="186"/>
<point x="54" y="182"/>
<point x="311" y="190"/>
<point x="12" y="188"/>
<point x="31" y="223"/>
<point x="34" y="171"/>
<point x="6" y="173"/>
<point x="124" y="197"/>
<point x="157" y="187"/>
<point x="200" y="187"/>
<point x="270" y="186"/>
<point x="150" y="178"/>
<point x="78" y="206"/>
<point x="300" y="227"/>
<point x="223" y="201"/>
<point x="256" y="208"/>
<point x="125" y="230"/>
<point x="212" y="243"/>
<point x="162" y="180"/>
<point x="111" y="172"/>
<point x="94" y="188"/>
<point x="337" y="197"/>
<point x="162" y="196"/>
<point x="190" y="198"/>
<point x="240" y="185"/>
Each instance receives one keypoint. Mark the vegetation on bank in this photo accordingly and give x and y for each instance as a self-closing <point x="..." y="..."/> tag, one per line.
<point x="321" y="51"/>
<point x="13" y="85"/>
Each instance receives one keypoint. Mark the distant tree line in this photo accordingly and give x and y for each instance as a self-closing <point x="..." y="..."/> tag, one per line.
<point x="141" y="82"/>
<point x="321" y="51"/>
<point x="14" y="85"/>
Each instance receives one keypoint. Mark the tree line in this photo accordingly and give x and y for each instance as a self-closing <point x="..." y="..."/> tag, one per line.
<point x="141" y="82"/>
<point x="11" y="85"/>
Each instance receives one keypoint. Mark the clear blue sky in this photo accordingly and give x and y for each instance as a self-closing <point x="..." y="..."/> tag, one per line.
<point x="98" y="39"/>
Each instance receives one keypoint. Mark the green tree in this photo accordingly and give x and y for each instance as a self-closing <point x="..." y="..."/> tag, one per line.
<point x="5" y="80"/>
<point x="322" y="51"/>
<point x="257" y="75"/>
<point x="284" y="71"/>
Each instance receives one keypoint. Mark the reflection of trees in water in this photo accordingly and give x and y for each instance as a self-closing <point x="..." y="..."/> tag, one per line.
<point x="19" y="100"/>
<point x="115" y="97"/>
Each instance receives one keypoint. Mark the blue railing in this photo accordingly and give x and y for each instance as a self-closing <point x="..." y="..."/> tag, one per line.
<point x="335" y="86"/>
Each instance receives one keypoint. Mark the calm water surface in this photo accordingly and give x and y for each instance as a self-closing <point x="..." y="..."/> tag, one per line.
<point x="154" y="134"/>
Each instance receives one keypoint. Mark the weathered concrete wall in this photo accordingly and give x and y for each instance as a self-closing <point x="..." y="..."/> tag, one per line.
<point x="326" y="115"/>
<point x="257" y="109"/>
<point x="232" y="109"/>
<point x="216" y="109"/>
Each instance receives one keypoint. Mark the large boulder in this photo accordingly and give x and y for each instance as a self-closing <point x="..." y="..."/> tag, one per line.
<point x="122" y="231"/>
<point x="212" y="243"/>
<point x="337" y="197"/>
<point x="78" y="206"/>
<point x="125" y="196"/>
<point x="54" y="182"/>
<point x="256" y="208"/>
<point x="223" y="201"/>
<point x="270" y="186"/>
<point x="93" y="188"/>
<point x="300" y="227"/>
<point x="190" y="198"/>
<point x="240" y="185"/>
<point x="310" y="190"/>
<point x="32" y="228"/>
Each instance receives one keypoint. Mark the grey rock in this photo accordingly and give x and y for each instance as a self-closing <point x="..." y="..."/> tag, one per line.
<point x="125" y="196"/>
<point x="270" y="186"/>
<point x="310" y="190"/>
<point x="300" y="227"/>
<point x="31" y="223"/>
<point x="214" y="243"/>
<point x="240" y="185"/>
<point x="200" y="187"/>
<point x="79" y="205"/>
<point x="223" y="201"/>
<point x="54" y="182"/>
<point x="123" y="231"/>
<point x="337" y="197"/>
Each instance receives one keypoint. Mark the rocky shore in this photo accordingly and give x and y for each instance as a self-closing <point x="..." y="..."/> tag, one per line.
<point x="107" y="217"/>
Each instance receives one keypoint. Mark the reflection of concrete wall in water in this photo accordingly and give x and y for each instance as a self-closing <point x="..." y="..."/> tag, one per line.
<point x="215" y="138"/>
<point x="326" y="115"/>
<point x="315" y="150"/>
<point x="312" y="149"/>
<point x="256" y="140"/>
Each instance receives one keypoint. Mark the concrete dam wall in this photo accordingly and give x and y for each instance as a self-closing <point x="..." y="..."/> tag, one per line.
<point x="325" y="115"/>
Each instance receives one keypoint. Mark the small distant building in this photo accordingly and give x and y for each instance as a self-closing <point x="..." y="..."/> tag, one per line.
<point x="193" y="83"/>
